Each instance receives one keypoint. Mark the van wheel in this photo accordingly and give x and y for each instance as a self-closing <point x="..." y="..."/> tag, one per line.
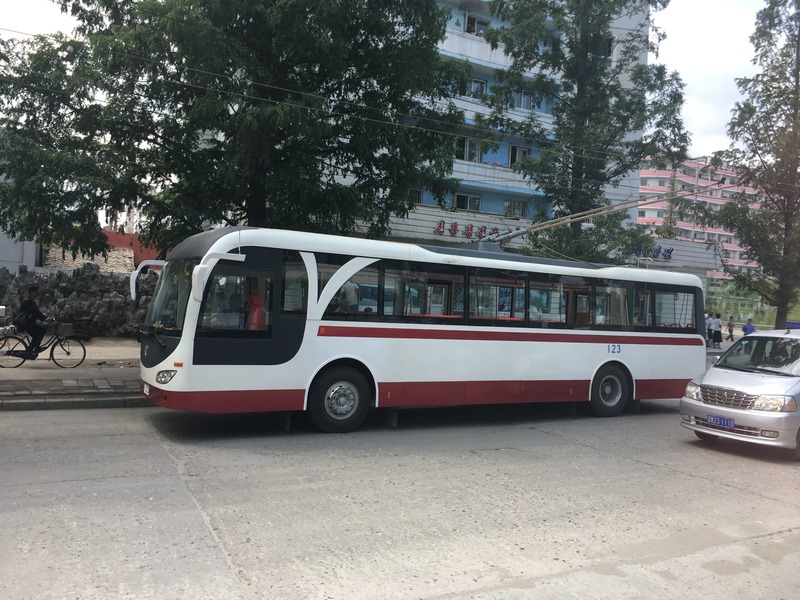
<point x="610" y="392"/>
<point x="339" y="400"/>
<point x="706" y="437"/>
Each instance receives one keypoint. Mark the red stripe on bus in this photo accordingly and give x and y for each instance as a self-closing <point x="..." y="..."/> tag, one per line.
<point x="229" y="401"/>
<point x="504" y="335"/>
<point x="656" y="389"/>
<point x="457" y="393"/>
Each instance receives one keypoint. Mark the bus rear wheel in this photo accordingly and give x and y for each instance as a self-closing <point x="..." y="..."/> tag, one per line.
<point x="610" y="392"/>
<point x="339" y="400"/>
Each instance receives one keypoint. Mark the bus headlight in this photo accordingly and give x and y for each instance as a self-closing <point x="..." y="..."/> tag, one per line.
<point x="165" y="376"/>
<point x="775" y="403"/>
<point x="693" y="391"/>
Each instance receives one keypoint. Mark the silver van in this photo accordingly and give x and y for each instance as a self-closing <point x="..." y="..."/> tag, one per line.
<point x="750" y="394"/>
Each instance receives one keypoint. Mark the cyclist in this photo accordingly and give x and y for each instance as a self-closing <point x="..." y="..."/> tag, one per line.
<point x="30" y="315"/>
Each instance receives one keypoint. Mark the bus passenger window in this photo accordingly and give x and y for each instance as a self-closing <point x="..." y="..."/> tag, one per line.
<point x="236" y="301"/>
<point x="611" y="306"/>
<point x="674" y="308"/>
<point x="295" y="284"/>
<point x="494" y="298"/>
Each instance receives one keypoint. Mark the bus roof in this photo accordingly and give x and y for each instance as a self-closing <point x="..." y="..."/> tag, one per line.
<point x="482" y="254"/>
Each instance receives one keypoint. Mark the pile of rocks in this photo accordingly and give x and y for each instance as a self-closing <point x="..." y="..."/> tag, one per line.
<point x="99" y="303"/>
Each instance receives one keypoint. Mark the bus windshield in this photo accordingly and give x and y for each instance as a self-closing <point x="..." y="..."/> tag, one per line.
<point x="168" y="308"/>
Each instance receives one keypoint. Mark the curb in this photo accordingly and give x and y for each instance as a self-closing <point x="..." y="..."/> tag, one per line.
<point x="26" y="401"/>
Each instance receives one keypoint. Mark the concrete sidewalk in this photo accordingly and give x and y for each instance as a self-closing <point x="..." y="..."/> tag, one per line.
<point x="108" y="378"/>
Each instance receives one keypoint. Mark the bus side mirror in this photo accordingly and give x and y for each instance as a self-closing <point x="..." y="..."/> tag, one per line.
<point x="199" y="275"/>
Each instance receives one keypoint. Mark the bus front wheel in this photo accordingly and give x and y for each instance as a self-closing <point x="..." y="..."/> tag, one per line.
<point x="610" y="392"/>
<point x="339" y="400"/>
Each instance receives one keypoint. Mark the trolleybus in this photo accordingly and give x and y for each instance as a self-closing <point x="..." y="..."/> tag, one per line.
<point x="254" y="320"/>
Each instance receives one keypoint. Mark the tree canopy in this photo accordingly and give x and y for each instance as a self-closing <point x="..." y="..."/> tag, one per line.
<point x="765" y="152"/>
<point x="610" y="110"/>
<point x="299" y="114"/>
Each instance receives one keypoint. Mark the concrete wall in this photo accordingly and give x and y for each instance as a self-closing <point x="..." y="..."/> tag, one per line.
<point x="14" y="253"/>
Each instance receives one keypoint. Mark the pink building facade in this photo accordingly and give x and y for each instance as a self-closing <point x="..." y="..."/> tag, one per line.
<point x="696" y="180"/>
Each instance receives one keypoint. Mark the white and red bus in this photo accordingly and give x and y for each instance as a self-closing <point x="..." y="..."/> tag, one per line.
<point x="252" y="320"/>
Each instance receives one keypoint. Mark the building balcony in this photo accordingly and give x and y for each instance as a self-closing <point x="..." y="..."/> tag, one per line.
<point x="461" y="45"/>
<point x="491" y="176"/>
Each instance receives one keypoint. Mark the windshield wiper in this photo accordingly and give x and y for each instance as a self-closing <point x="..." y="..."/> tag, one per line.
<point x="150" y="330"/>
<point x="773" y="372"/>
<point x="732" y="368"/>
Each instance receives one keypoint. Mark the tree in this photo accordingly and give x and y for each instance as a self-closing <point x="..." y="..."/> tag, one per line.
<point x="765" y="151"/>
<point x="299" y="114"/>
<point x="609" y="111"/>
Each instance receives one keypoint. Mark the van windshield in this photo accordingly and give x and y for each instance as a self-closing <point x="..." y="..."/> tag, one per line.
<point x="768" y="354"/>
<point x="167" y="311"/>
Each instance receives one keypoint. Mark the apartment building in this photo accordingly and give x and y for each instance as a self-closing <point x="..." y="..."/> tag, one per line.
<point x="491" y="197"/>
<point x="696" y="180"/>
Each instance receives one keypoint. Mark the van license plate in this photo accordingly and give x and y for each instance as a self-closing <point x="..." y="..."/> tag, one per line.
<point x="146" y="389"/>
<point x="720" y="421"/>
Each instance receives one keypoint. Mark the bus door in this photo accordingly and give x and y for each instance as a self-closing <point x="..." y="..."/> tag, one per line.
<point x="253" y="313"/>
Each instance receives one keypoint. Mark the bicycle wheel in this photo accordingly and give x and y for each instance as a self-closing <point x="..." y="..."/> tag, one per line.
<point x="13" y="352"/>
<point x="68" y="353"/>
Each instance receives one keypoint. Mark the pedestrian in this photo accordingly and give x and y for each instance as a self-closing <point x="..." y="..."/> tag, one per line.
<point x="748" y="327"/>
<point x="716" y="329"/>
<point x="731" y="326"/>
<point x="709" y="331"/>
<point x="29" y="318"/>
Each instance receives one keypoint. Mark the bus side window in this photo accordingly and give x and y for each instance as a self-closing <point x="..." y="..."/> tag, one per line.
<point x="295" y="284"/>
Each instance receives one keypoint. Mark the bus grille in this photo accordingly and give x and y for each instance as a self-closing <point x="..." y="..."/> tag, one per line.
<point x="725" y="397"/>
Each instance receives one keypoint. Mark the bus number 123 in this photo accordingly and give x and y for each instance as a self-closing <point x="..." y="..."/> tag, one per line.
<point x="615" y="348"/>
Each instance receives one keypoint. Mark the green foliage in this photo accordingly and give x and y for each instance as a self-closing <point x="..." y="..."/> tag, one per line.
<point x="300" y="114"/>
<point x="765" y="129"/>
<point x="602" y="99"/>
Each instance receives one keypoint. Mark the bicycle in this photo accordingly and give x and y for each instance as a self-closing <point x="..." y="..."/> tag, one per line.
<point x="66" y="350"/>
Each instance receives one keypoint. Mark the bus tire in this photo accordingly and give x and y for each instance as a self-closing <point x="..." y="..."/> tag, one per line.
<point x="339" y="400"/>
<point x="610" y="392"/>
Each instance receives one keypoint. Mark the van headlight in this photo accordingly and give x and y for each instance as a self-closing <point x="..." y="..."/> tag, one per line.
<point x="775" y="403"/>
<point x="693" y="391"/>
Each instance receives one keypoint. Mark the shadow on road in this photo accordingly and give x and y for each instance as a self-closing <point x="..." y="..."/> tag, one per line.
<point x="185" y="426"/>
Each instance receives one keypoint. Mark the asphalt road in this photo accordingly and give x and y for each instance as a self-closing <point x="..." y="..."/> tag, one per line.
<point x="509" y="503"/>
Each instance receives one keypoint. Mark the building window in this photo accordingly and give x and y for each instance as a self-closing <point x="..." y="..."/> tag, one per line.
<point x="477" y="26"/>
<point x="467" y="202"/>
<point x="642" y="213"/>
<point x="662" y="183"/>
<point x="516" y="208"/>
<point x="521" y="101"/>
<point x="475" y="88"/>
<point x="517" y="153"/>
<point x="469" y="149"/>
<point x="414" y="196"/>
